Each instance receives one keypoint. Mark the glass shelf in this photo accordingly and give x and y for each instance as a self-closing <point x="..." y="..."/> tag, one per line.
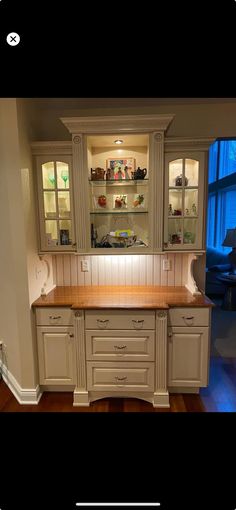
<point x="124" y="182"/>
<point x="182" y="187"/>
<point x="119" y="212"/>
<point x="174" y="217"/>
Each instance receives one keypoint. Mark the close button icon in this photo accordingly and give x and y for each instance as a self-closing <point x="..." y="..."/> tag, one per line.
<point x="13" y="39"/>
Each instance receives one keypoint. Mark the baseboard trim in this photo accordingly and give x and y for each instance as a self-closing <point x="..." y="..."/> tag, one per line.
<point x="29" y="396"/>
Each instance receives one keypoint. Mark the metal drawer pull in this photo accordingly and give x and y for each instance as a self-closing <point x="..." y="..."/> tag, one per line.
<point x="121" y="378"/>
<point x="138" y="322"/>
<point x="102" y="321"/>
<point x="187" y="318"/>
<point x="120" y="346"/>
<point x="54" y="316"/>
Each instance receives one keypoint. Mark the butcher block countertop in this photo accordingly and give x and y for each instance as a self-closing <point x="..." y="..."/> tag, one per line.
<point x="135" y="297"/>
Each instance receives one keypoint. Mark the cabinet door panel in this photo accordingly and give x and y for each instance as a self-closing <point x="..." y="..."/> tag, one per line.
<point x="184" y="195"/>
<point x="55" y="203"/>
<point x="188" y="353"/>
<point x="57" y="360"/>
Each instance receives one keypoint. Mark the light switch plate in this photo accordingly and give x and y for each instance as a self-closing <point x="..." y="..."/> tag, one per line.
<point x="166" y="265"/>
<point x="84" y="265"/>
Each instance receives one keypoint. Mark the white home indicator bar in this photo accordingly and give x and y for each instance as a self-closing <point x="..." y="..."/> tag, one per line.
<point x="118" y="504"/>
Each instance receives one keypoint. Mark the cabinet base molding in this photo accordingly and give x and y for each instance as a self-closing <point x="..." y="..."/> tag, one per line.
<point x="81" y="398"/>
<point x="85" y="398"/>
<point x="183" y="390"/>
<point x="161" y="399"/>
<point x="59" y="388"/>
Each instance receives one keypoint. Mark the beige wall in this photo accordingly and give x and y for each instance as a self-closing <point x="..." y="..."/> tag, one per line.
<point x="18" y="233"/>
<point x="37" y="269"/>
<point x="213" y="119"/>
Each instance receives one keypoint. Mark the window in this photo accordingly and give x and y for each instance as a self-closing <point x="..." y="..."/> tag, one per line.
<point x="222" y="193"/>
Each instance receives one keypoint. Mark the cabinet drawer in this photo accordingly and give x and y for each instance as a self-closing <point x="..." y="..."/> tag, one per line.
<point x="119" y="319"/>
<point x="120" y="345"/>
<point x="120" y="376"/>
<point x="188" y="317"/>
<point x="54" y="316"/>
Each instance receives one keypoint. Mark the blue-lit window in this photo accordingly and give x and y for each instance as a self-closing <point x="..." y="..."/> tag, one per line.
<point x="211" y="220"/>
<point x="227" y="160"/>
<point x="213" y="156"/>
<point x="222" y="193"/>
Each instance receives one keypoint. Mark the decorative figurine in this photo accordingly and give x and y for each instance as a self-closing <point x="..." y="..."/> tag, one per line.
<point x="126" y="172"/>
<point x="194" y="210"/>
<point x="119" y="173"/>
<point x="170" y="210"/>
<point x="179" y="180"/>
<point x="186" y="212"/>
<point x="140" y="173"/>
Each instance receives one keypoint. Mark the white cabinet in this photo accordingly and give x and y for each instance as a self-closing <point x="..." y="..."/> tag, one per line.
<point x="120" y="351"/>
<point x="56" y="345"/>
<point x="188" y="348"/>
<point x="57" y="358"/>
<point x="185" y="174"/>
<point x="55" y="202"/>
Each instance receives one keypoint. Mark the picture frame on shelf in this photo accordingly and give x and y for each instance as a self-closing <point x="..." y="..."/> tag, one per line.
<point x="122" y="169"/>
<point x="100" y="201"/>
<point x="138" y="201"/>
<point x="120" y="202"/>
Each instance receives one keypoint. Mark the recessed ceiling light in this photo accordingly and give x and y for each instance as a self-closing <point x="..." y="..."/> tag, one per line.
<point x="118" y="142"/>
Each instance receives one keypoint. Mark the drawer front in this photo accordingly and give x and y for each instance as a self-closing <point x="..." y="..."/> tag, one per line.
<point x="120" y="345"/>
<point x="188" y="317"/>
<point x="55" y="316"/>
<point x="119" y="319"/>
<point x="120" y="376"/>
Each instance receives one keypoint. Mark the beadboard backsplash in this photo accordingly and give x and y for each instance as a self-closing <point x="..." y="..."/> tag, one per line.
<point x="120" y="270"/>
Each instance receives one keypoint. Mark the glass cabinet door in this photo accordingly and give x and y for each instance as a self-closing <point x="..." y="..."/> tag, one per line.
<point x="183" y="203"/>
<point x="54" y="179"/>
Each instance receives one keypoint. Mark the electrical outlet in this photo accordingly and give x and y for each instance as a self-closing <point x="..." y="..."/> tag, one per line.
<point x="84" y="265"/>
<point x="166" y="265"/>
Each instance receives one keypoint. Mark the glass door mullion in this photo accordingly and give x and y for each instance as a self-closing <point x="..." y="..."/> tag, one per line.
<point x="183" y="203"/>
<point x="57" y="208"/>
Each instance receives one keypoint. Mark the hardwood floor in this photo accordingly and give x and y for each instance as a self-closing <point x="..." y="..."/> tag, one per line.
<point x="219" y="396"/>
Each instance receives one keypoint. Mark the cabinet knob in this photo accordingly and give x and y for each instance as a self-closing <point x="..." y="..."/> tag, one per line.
<point x="102" y="323"/>
<point x="71" y="335"/>
<point x="170" y="334"/>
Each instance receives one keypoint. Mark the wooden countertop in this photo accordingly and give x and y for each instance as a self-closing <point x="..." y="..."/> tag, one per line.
<point x="143" y="297"/>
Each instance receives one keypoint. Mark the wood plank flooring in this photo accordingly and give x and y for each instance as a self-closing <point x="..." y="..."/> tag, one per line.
<point x="219" y="396"/>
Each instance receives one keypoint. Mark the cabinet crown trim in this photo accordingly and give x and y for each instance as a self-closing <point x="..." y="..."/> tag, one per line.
<point x="52" y="148"/>
<point x="121" y="123"/>
<point x="173" y="144"/>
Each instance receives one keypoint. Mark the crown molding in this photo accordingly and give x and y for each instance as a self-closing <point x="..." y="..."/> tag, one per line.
<point x="118" y="123"/>
<point x="173" y="144"/>
<point x="41" y="148"/>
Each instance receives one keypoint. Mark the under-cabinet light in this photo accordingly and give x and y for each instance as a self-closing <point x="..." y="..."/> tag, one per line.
<point x="118" y="142"/>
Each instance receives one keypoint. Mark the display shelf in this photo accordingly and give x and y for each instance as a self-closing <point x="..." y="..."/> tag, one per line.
<point x="119" y="212"/>
<point x="116" y="182"/>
